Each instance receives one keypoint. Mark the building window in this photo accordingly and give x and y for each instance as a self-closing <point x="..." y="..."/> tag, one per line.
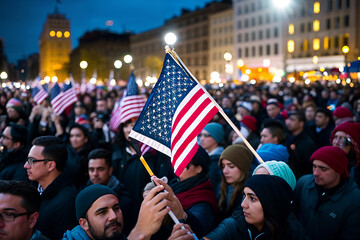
<point x="205" y="45"/>
<point x="276" y="32"/>
<point x="316" y="43"/>
<point x="253" y="51"/>
<point x="246" y="37"/>
<point x="214" y="43"/>
<point x="329" y="5"/>
<point x="246" y="8"/>
<point x="336" y="42"/>
<point x="246" y="23"/>
<point x="316" y="25"/>
<point x="239" y="11"/>
<point x="347" y="3"/>
<point x="268" y="50"/>
<point x="302" y="11"/>
<point x="337" y="22"/>
<point x="338" y="4"/>
<point x="239" y="25"/>
<point x="306" y="45"/>
<point x="267" y="33"/>
<point x="346" y="21"/>
<point x="246" y="52"/>
<point x="252" y="21"/>
<point x="316" y="7"/>
<point x="302" y="27"/>
<point x="276" y="17"/>
<point x="291" y="29"/>
<point x="260" y="51"/>
<point x="253" y="7"/>
<point x="276" y="49"/>
<point x="239" y="53"/>
<point x="326" y="43"/>
<point x="260" y="20"/>
<point x="291" y="46"/>
<point x="309" y="27"/>
<point x="260" y="35"/>
<point x="328" y="24"/>
<point x="239" y="38"/>
<point x="346" y="39"/>
<point x="253" y="36"/>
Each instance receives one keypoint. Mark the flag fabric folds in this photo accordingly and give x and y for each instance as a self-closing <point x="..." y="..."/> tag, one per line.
<point x="177" y="110"/>
<point x="38" y="92"/>
<point x="62" y="98"/>
<point x="130" y="106"/>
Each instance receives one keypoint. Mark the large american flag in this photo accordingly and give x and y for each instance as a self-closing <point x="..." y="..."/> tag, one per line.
<point x="38" y="92"/>
<point x="177" y="110"/>
<point x="62" y="98"/>
<point x="130" y="106"/>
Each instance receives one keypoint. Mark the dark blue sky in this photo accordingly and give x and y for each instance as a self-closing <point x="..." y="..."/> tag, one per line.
<point x="21" y="21"/>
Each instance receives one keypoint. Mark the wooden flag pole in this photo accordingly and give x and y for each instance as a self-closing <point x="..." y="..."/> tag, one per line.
<point x="172" y="52"/>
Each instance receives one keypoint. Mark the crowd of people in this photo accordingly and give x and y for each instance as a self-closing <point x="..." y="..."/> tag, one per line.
<point x="71" y="176"/>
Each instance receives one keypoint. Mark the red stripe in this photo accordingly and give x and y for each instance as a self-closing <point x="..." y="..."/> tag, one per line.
<point x="186" y="160"/>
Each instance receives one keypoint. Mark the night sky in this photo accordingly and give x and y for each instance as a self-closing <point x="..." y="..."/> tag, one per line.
<point x="21" y="21"/>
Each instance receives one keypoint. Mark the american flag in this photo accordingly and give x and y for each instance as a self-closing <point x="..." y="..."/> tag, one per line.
<point x="130" y="106"/>
<point x="177" y="110"/>
<point x="38" y="92"/>
<point x="62" y="98"/>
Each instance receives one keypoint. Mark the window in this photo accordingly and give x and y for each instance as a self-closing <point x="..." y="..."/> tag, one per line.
<point x="239" y="11"/>
<point x="260" y="20"/>
<point x="346" y="39"/>
<point x="260" y="35"/>
<point x="252" y="21"/>
<point x="253" y="7"/>
<point x="276" y="49"/>
<point x="239" y="25"/>
<point x="302" y="11"/>
<point x="267" y="33"/>
<point x="246" y="8"/>
<point x="316" y="25"/>
<point x="276" y="17"/>
<point x="326" y="43"/>
<point x="336" y="42"/>
<point x="246" y="23"/>
<point x="239" y="38"/>
<point x="253" y="51"/>
<point x="302" y="27"/>
<point x="338" y="4"/>
<point x="316" y="43"/>
<point x="246" y="37"/>
<point x="346" y="21"/>
<point x="328" y="24"/>
<point x="309" y="27"/>
<point x="268" y="50"/>
<point x="291" y="46"/>
<point x="267" y="18"/>
<point x="347" y="3"/>
<point x="205" y="45"/>
<point x="291" y="29"/>
<point x="260" y="51"/>
<point x="316" y="7"/>
<point x="329" y="5"/>
<point x="306" y="45"/>
<point x="253" y="36"/>
<point x="337" y="22"/>
<point x="246" y="52"/>
<point x="276" y="32"/>
<point x="239" y="53"/>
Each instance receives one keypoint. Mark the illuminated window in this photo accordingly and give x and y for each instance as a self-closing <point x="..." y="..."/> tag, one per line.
<point x="316" y="43"/>
<point x="52" y="33"/>
<point x="66" y="34"/>
<point x="316" y="7"/>
<point x="326" y="43"/>
<point x="291" y="46"/>
<point x="306" y="45"/>
<point x="59" y="34"/>
<point x="291" y="29"/>
<point x="316" y="25"/>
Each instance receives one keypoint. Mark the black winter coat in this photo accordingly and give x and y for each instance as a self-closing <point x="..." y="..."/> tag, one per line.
<point x="12" y="165"/>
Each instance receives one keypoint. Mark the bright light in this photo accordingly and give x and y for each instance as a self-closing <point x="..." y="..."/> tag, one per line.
<point x="345" y="49"/>
<point x="276" y="79"/>
<point x="315" y="59"/>
<point x="281" y="3"/>
<point x="221" y="84"/>
<point x="27" y="87"/>
<point x="3" y="75"/>
<point x="227" y="56"/>
<point x="252" y="81"/>
<point x="348" y="80"/>
<point x="170" y="38"/>
<point x="292" y="79"/>
<point x="147" y="84"/>
<point x="112" y="82"/>
<point x="240" y="63"/>
<point x="128" y="59"/>
<point x="139" y="82"/>
<point x="322" y="69"/>
<point x="54" y="79"/>
<point x="3" y="85"/>
<point x="47" y="79"/>
<point x="83" y="64"/>
<point x="338" y="81"/>
<point x="245" y="78"/>
<point x="93" y="81"/>
<point x="247" y="71"/>
<point x="341" y="69"/>
<point x="266" y="62"/>
<point x="307" y="81"/>
<point x="326" y="74"/>
<point x="117" y="64"/>
<point x="214" y="75"/>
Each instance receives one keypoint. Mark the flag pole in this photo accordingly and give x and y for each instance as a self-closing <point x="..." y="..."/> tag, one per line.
<point x="221" y="111"/>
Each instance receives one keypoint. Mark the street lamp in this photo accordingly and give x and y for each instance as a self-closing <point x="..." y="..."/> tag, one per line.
<point x="83" y="66"/>
<point x="128" y="59"/>
<point x="3" y="76"/>
<point x="170" y="39"/>
<point x="117" y="65"/>
<point x="228" y="66"/>
<point x="345" y="49"/>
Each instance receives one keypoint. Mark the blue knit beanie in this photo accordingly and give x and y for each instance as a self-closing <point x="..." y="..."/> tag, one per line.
<point x="88" y="196"/>
<point x="271" y="151"/>
<point x="279" y="169"/>
<point x="216" y="131"/>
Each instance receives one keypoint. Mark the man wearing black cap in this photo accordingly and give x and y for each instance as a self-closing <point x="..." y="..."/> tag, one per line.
<point x="13" y="153"/>
<point x="327" y="203"/>
<point x="100" y="217"/>
<point x="321" y="132"/>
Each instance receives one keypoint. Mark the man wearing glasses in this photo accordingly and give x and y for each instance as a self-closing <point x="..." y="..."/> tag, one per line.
<point x="13" y="152"/>
<point x="19" y="211"/>
<point x="45" y="165"/>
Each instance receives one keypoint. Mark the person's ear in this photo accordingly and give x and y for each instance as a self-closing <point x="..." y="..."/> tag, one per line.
<point x="33" y="219"/>
<point x="198" y="169"/>
<point x="111" y="169"/>
<point x="84" y="224"/>
<point x="51" y="165"/>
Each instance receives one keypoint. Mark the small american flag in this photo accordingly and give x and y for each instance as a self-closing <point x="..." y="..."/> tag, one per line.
<point x="38" y="92"/>
<point x="177" y="110"/>
<point x="61" y="99"/>
<point x="130" y="106"/>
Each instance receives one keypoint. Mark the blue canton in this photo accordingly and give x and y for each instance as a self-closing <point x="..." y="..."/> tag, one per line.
<point x="132" y="87"/>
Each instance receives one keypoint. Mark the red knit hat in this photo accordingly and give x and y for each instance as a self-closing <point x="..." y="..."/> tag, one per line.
<point x="342" y="112"/>
<point x="335" y="157"/>
<point x="250" y="122"/>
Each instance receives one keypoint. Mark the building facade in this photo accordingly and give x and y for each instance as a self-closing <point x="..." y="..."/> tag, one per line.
<point x="55" y="46"/>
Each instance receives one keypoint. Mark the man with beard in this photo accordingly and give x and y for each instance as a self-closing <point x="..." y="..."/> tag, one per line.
<point x="100" y="217"/>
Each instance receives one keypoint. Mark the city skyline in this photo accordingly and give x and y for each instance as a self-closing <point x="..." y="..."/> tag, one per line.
<point x="21" y="21"/>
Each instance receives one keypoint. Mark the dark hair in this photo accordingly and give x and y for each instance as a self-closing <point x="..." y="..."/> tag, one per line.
<point x="54" y="149"/>
<point x="30" y="196"/>
<point x="276" y="128"/>
<point x="101" y="153"/>
<point x="82" y="128"/>
<point x="299" y="115"/>
<point x="325" y="111"/>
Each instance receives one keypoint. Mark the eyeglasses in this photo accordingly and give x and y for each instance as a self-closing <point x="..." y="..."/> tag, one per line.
<point x="343" y="141"/>
<point x="204" y="135"/>
<point x="6" y="137"/>
<point x="31" y="161"/>
<point x="10" y="217"/>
